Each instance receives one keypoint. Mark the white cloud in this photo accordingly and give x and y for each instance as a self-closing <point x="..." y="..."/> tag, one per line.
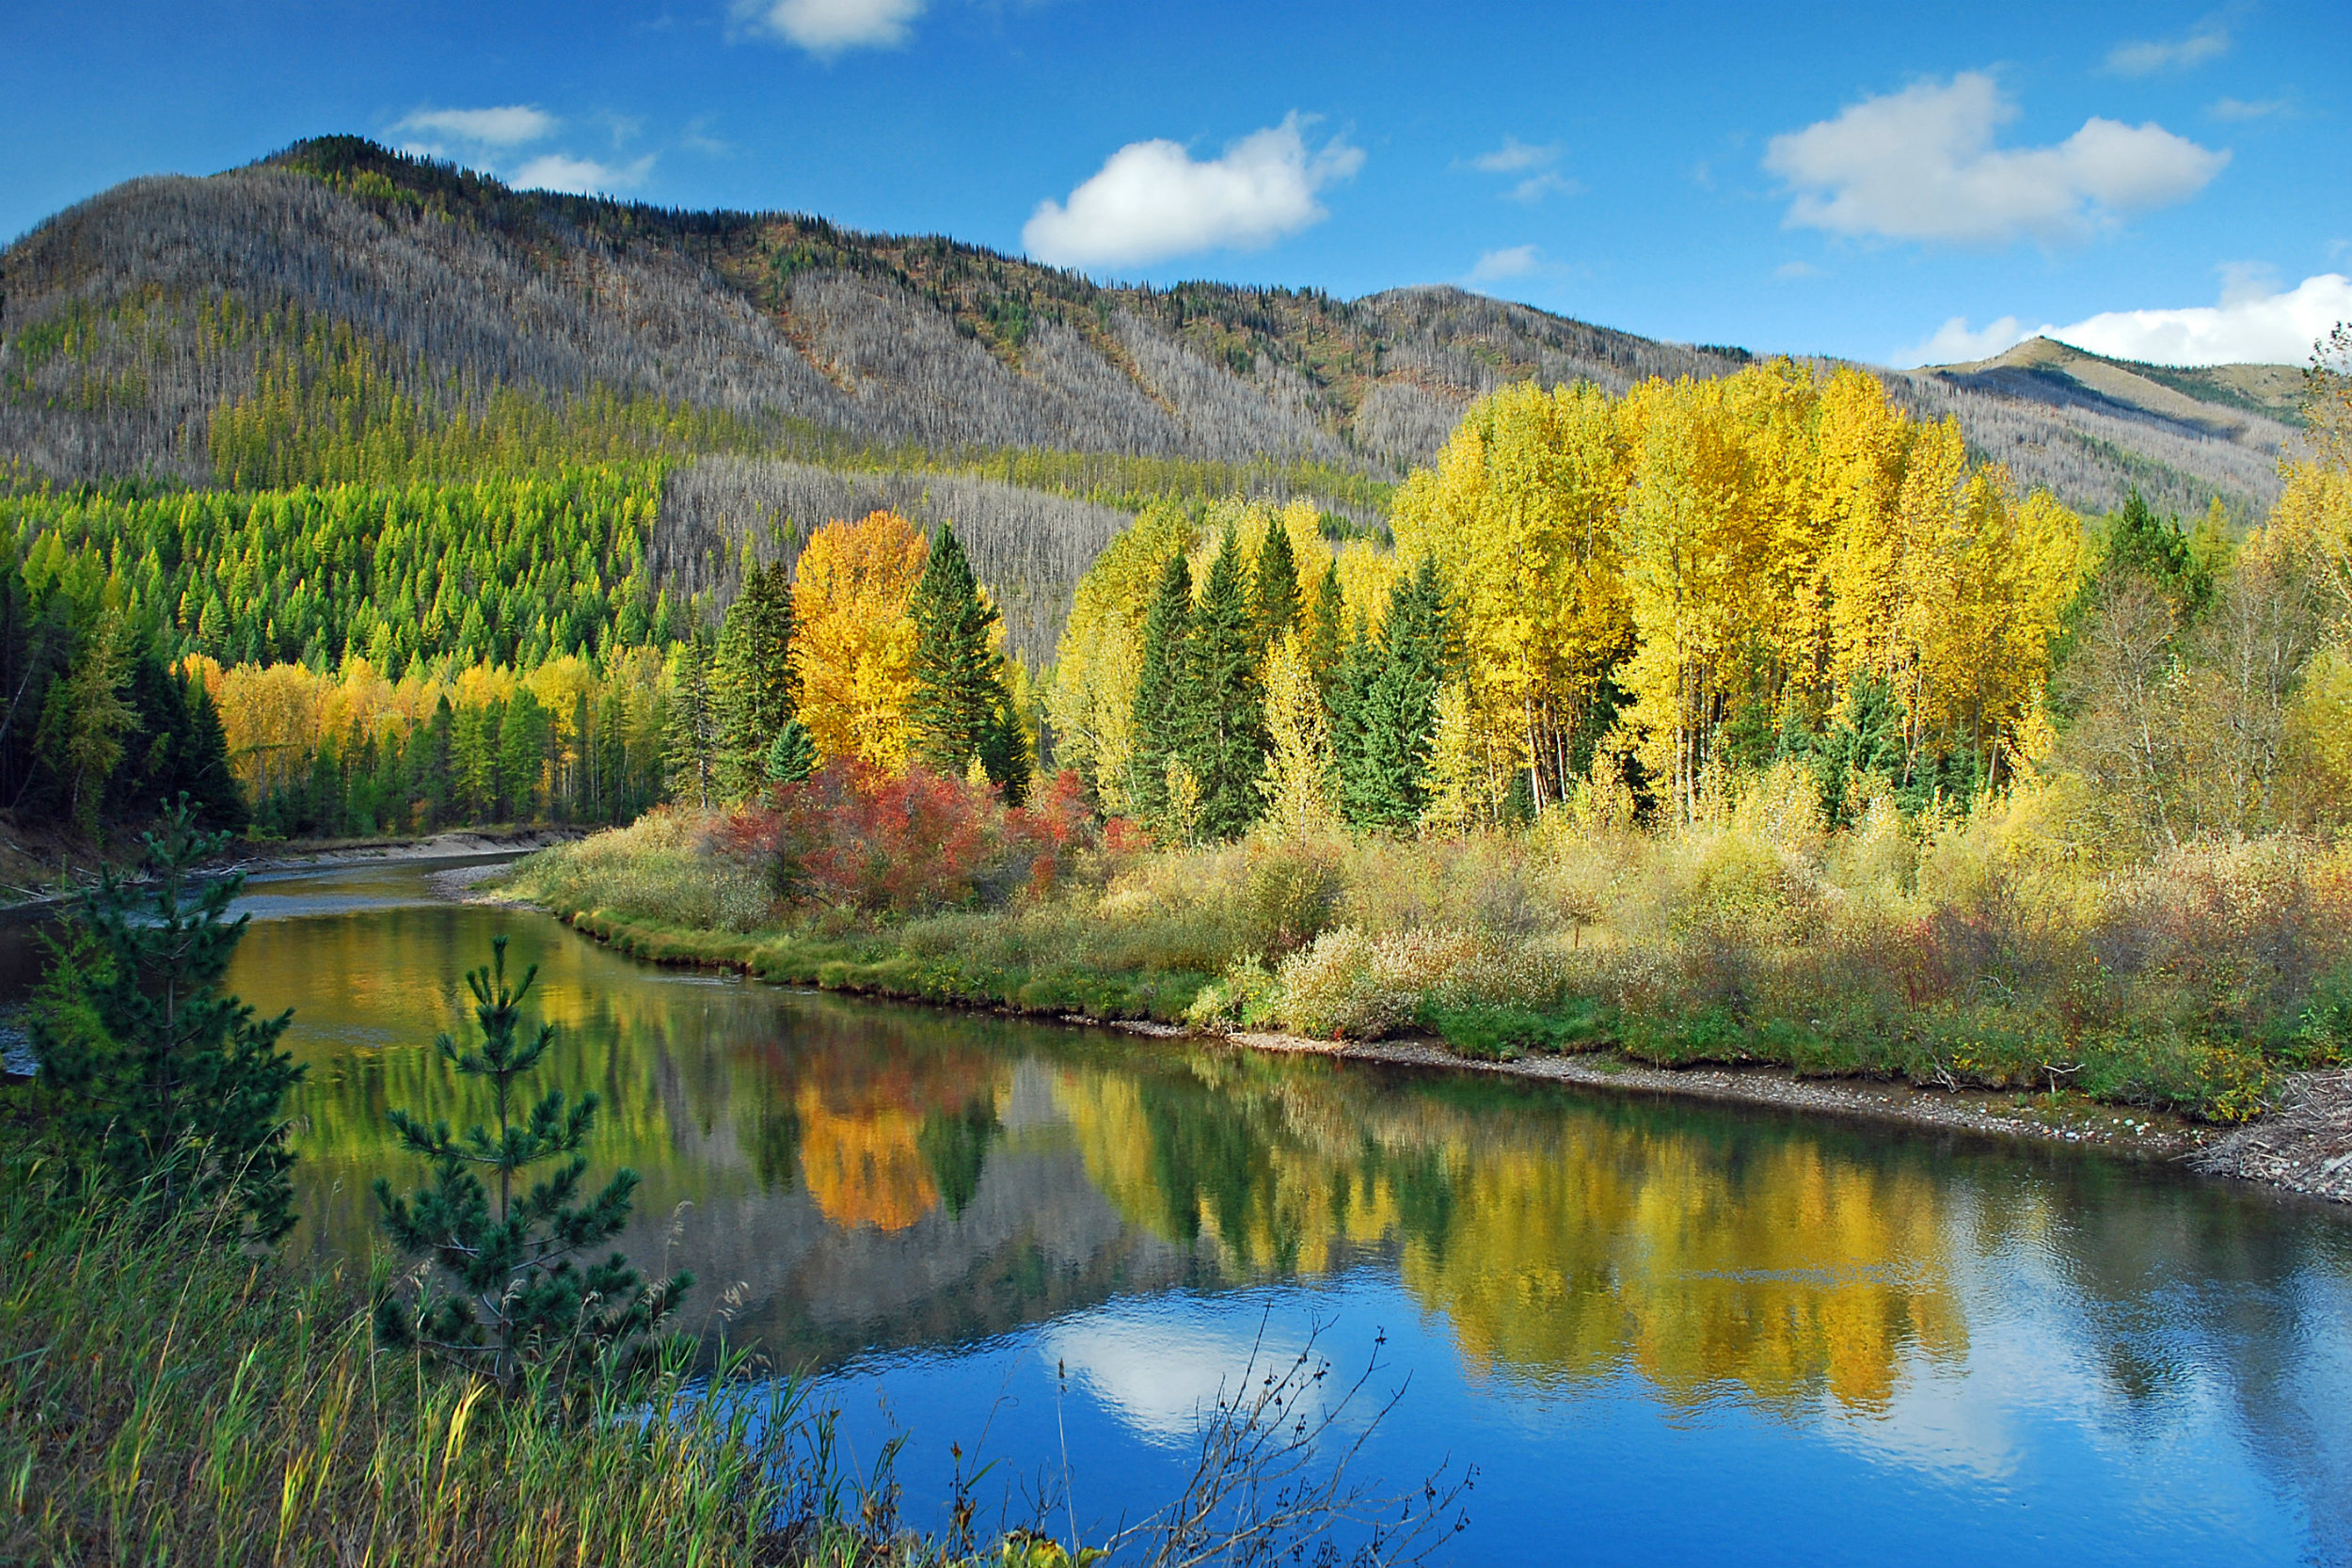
<point x="555" y="171"/>
<point x="1537" y="186"/>
<point x="1955" y="342"/>
<point x="512" y="125"/>
<point x="1921" y="165"/>
<point x="831" y="27"/>
<point x="1536" y="163"/>
<point x="1788" y="272"/>
<point x="2253" y="324"/>
<point x="1513" y="155"/>
<point x="2240" y="109"/>
<point x="1516" y="261"/>
<point x="2208" y="40"/>
<point x="1151" y="200"/>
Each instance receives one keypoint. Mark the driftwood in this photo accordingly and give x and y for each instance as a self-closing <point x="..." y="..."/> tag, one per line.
<point x="2305" y="1145"/>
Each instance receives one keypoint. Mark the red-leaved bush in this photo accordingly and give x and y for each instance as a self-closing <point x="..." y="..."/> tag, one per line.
<point x="854" y="837"/>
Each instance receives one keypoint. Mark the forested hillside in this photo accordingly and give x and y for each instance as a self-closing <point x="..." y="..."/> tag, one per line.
<point x="339" y="311"/>
<point x="403" y="499"/>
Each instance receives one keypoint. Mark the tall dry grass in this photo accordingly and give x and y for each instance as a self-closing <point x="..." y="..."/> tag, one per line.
<point x="165" y="1398"/>
<point x="2006" y="943"/>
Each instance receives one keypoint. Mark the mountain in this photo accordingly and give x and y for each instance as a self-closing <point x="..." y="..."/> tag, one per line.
<point x="355" y="299"/>
<point x="2253" y="406"/>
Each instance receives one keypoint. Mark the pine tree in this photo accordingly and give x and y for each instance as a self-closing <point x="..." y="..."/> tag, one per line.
<point x="157" y="1075"/>
<point x="691" y="740"/>
<point x="1224" y="701"/>
<point x="520" y="1303"/>
<point x="957" y="711"/>
<point x="211" y="782"/>
<point x="793" y="755"/>
<point x="754" y="683"/>
<point x="1160" y="728"/>
<point x="1326" y="631"/>
<point x="1275" y="586"/>
<point x="1385" y="778"/>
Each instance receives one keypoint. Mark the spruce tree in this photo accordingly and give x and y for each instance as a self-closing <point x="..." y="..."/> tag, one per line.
<point x="1384" y="777"/>
<point x="755" y="686"/>
<point x="1275" y="586"/>
<point x="1160" y="729"/>
<point x="958" y="710"/>
<point x="1326" y="631"/>
<point x="792" y="757"/>
<point x="155" y="1074"/>
<point x="691" y="730"/>
<point x="1224" y="701"/>
<point x="520" y="1303"/>
<point x="212" y="782"/>
<point x="1360" y="660"/>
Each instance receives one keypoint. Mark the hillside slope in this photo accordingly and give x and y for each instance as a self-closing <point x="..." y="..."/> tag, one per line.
<point x="130" y="322"/>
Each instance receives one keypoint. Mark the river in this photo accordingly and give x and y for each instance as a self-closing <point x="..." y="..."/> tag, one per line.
<point x="1662" y="1332"/>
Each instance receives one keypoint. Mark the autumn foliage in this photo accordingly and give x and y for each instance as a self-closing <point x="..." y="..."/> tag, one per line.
<point x="854" y="837"/>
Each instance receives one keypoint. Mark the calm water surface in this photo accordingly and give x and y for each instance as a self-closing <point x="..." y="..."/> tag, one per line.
<point x="1662" y="1332"/>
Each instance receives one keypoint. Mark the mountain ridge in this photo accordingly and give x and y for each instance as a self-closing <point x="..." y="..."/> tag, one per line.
<point x="129" y="321"/>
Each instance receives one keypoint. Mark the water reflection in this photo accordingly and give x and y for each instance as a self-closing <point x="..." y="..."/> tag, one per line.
<point x="1636" y="1294"/>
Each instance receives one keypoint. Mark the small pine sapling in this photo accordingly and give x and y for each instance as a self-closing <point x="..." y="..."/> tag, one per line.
<point x="500" y="1293"/>
<point x="793" y="756"/>
<point x="150" y="1072"/>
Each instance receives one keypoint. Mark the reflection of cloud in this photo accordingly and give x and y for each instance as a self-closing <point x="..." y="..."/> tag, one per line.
<point x="1943" y="1424"/>
<point x="1159" y="1371"/>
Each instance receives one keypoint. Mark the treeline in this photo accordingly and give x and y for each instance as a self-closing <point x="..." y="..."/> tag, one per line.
<point x="501" y="571"/>
<point x="350" y="753"/>
<point x="1642" y="599"/>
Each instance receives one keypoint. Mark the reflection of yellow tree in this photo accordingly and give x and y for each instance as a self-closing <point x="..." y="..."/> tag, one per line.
<point x="863" y="1166"/>
<point x="1782" y="1274"/>
<point x="1780" y="1271"/>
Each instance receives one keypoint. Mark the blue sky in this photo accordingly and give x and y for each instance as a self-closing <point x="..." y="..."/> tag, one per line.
<point x="1885" y="182"/>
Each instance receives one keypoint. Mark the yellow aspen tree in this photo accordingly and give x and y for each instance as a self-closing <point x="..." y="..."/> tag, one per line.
<point x="1299" y="777"/>
<point x="1460" y="790"/>
<point x="1687" y="554"/>
<point x="1100" y="657"/>
<point x="1520" y="508"/>
<point x="855" y="645"/>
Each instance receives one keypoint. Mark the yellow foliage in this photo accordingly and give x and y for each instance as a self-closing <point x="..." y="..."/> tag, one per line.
<point x="1298" y="779"/>
<point x="1520" y="512"/>
<point x="1100" y="657"/>
<point x="855" y="646"/>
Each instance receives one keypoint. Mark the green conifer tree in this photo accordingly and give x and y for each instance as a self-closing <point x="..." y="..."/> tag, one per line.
<point x="1326" y="631"/>
<point x="212" y="784"/>
<point x="792" y="756"/>
<point x="156" y="1076"/>
<point x="691" y="732"/>
<point x="504" y="1297"/>
<point x="1383" y="777"/>
<point x="1275" y="586"/>
<point x="957" y="709"/>
<point x="754" y="682"/>
<point x="1224" y="700"/>
<point x="1161" y="686"/>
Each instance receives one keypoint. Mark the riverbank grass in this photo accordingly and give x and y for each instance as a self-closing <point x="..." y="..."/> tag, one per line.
<point x="166" y="1397"/>
<point x="1996" y="947"/>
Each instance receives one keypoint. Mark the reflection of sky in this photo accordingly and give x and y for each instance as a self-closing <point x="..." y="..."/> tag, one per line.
<point x="1994" y="1460"/>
